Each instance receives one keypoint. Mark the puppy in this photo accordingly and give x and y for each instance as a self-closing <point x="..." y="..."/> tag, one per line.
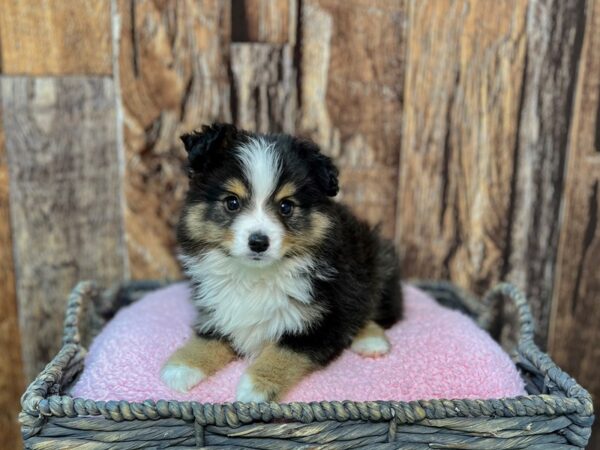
<point x="281" y="274"/>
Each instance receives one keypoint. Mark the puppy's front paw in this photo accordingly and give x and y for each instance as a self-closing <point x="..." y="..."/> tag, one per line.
<point x="248" y="392"/>
<point x="371" y="346"/>
<point x="180" y="377"/>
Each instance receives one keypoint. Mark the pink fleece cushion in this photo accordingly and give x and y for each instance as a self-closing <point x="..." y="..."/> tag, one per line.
<point x="436" y="353"/>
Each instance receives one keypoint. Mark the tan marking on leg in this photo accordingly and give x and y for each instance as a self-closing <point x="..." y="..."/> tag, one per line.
<point x="274" y="372"/>
<point x="371" y="341"/>
<point x="208" y="355"/>
<point x="196" y="360"/>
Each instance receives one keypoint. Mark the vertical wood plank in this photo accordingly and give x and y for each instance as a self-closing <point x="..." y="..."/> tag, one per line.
<point x="575" y="330"/>
<point x="554" y="35"/>
<point x="55" y="37"/>
<point x="11" y="366"/>
<point x="464" y="76"/>
<point x="485" y="136"/>
<point x="268" y="21"/>
<point x="263" y="87"/>
<point x="351" y="78"/>
<point x="173" y="67"/>
<point x="65" y="191"/>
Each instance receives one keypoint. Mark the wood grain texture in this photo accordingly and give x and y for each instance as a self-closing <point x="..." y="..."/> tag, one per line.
<point x="462" y="96"/>
<point x="65" y="197"/>
<point x="575" y="329"/>
<point x="269" y="21"/>
<point x="11" y="366"/>
<point x="263" y="87"/>
<point x="55" y="37"/>
<point x="173" y="70"/>
<point x="554" y="35"/>
<point x="352" y="71"/>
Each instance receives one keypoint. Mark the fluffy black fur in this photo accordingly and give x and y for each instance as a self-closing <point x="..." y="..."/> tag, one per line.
<point x="365" y="285"/>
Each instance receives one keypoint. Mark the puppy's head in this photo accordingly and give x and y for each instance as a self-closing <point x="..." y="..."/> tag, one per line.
<point x="257" y="198"/>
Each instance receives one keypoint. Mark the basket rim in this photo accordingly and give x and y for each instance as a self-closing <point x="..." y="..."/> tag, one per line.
<point x="40" y="400"/>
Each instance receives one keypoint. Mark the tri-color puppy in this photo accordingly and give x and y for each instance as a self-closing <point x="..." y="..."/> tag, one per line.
<point x="281" y="274"/>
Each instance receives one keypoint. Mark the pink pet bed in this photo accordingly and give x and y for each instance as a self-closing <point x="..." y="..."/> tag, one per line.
<point x="436" y="353"/>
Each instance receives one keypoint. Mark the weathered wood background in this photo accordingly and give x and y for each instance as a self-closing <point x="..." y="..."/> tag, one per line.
<point x="469" y="129"/>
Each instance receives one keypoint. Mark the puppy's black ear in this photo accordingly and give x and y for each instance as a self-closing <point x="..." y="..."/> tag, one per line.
<point x="322" y="167"/>
<point x="201" y="145"/>
<point x="327" y="175"/>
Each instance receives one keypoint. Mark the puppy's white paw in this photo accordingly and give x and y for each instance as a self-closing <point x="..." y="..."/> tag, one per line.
<point x="180" y="377"/>
<point x="247" y="392"/>
<point x="371" y="346"/>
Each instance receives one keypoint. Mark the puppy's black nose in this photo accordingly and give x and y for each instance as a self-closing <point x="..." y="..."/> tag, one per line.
<point x="258" y="242"/>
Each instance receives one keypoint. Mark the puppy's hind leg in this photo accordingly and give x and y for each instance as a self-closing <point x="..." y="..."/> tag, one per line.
<point x="199" y="358"/>
<point x="371" y="341"/>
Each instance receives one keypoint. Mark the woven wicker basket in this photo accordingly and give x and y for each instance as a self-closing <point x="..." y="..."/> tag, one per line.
<point x="557" y="413"/>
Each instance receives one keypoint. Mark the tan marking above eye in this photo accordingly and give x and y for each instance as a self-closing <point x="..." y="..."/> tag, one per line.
<point x="237" y="187"/>
<point x="287" y="190"/>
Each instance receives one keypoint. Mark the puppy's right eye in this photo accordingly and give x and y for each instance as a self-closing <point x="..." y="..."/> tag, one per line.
<point x="232" y="203"/>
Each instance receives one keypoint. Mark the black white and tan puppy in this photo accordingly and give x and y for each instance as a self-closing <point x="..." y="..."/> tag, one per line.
<point x="281" y="274"/>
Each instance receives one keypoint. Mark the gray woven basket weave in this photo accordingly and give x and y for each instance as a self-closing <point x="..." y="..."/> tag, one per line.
<point x="557" y="413"/>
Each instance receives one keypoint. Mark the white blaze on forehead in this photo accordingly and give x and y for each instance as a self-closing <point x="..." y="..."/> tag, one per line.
<point x="261" y="166"/>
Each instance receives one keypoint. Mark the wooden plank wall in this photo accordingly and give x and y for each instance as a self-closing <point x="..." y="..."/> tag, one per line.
<point x="56" y="38"/>
<point x="461" y="110"/>
<point x="65" y="188"/>
<point x="484" y="142"/>
<point x="575" y="322"/>
<point x="12" y="381"/>
<point x="65" y="198"/>
<point x="172" y="66"/>
<point x="351" y="86"/>
<point x="468" y="130"/>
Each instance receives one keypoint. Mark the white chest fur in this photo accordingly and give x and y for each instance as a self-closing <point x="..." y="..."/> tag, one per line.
<point x="253" y="305"/>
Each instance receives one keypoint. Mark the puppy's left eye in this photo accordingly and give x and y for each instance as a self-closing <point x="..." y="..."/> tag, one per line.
<point x="232" y="203"/>
<point x="286" y="207"/>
